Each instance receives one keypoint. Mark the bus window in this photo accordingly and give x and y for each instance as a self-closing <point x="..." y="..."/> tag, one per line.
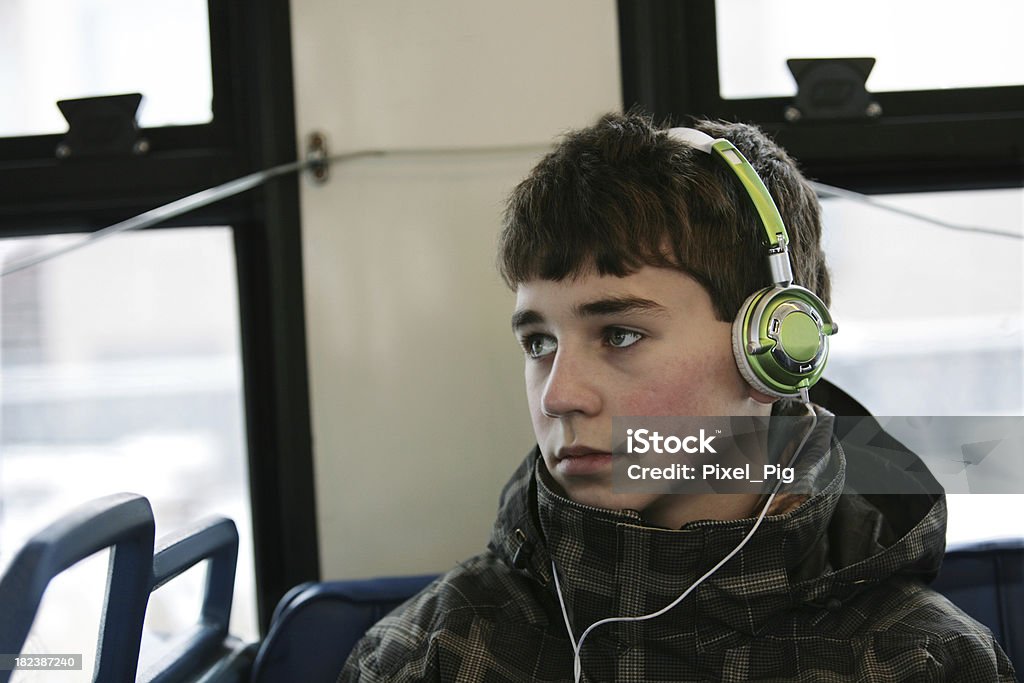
<point x="121" y="371"/>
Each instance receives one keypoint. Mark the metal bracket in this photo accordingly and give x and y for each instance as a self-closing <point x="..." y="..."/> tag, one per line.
<point x="317" y="157"/>
<point x="102" y="127"/>
<point x="831" y="89"/>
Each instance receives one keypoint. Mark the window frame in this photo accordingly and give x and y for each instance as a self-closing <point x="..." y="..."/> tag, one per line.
<point x="253" y="128"/>
<point x="956" y="139"/>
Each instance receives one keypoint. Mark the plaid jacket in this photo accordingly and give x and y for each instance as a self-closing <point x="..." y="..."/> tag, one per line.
<point x="831" y="590"/>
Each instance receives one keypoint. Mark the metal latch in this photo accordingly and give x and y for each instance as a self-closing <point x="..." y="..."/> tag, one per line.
<point x="831" y="88"/>
<point x="102" y="127"/>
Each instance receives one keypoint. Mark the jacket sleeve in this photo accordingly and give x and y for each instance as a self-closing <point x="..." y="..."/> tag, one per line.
<point x="393" y="651"/>
<point x="974" y="657"/>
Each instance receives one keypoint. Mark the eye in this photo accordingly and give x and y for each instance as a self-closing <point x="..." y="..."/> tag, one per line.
<point x="538" y="345"/>
<point x="621" y="338"/>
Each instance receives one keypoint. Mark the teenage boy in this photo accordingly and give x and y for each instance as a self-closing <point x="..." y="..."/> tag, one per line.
<point x="631" y="251"/>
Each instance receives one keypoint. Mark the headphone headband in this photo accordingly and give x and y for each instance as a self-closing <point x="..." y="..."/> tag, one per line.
<point x="776" y="237"/>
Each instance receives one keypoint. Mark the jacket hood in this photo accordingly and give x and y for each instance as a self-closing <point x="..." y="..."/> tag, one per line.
<point x="833" y="545"/>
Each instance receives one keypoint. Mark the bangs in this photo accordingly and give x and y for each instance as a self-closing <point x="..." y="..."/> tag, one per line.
<point x="579" y="215"/>
<point x="554" y="233"/>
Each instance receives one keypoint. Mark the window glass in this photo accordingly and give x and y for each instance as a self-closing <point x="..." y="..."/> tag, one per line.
<point x="54" y="633"/>
<point x="121" y="371"/>
<point x="931" y="321"/>
<point x="169" y="615"/>
<point x="54" y="50"/>
<point x="915" y="46"/>
<point x="930" y="318"/>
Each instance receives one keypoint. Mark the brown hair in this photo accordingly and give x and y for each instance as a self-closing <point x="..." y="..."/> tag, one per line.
<point x="622" y="194"/>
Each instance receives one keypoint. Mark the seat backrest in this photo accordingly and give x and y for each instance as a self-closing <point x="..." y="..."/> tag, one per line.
<point x="215" y="541"/>
<point x="986" y="580"/>
<point x="316" y="625"/>
<point x="124" y="522"/>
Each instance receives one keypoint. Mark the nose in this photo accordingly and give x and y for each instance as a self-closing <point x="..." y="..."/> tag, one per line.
<point x="571" y="387"/>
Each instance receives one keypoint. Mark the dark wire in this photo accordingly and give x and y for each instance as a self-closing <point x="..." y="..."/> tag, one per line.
<point x="248" y="182"/>
<point x="178" y="207"/>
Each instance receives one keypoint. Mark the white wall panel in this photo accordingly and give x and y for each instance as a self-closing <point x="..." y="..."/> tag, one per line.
<point x="453" y="73"/>
<point x="419" y="411"/>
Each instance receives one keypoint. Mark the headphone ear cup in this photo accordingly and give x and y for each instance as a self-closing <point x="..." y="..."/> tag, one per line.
<point x="739" y="343"/>
<point x="780" y="340"/>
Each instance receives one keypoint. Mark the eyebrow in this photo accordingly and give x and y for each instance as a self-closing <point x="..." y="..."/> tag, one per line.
<point x="618" y="305"/>
<point x="526" y="317"/>
<point x="607" y="306"/>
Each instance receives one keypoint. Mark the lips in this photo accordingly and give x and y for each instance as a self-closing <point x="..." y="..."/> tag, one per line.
<point x="579" y="452"/>
<point x="582" y="460"/>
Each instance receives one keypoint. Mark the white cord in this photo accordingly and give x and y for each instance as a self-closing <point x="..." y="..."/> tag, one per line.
<point x="577" y="647"/>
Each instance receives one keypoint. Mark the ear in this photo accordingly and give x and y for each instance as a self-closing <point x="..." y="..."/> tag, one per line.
<point x="759" y="397"/>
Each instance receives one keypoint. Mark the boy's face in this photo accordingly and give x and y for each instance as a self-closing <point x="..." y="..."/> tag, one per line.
<point x="646" y="344"/>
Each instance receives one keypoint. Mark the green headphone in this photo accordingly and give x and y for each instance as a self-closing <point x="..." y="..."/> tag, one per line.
<point x="780" y="335"/>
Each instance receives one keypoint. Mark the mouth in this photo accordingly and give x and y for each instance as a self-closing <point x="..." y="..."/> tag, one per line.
<point x="582" y="460"/>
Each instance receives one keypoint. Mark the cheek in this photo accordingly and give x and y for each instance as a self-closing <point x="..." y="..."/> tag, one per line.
<point x="534" y="387"/>
<point x="707" y="386"/>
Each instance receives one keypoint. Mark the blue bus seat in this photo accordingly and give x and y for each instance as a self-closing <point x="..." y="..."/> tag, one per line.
<point x="316" y="625"/>
<point x="124" y="522"/>
<point x="986" y="580"/>
<point x="206" y="644"/>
